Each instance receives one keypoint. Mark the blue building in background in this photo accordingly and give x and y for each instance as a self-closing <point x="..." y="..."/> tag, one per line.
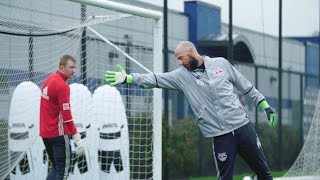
<point x="312" y="59"/>
<point x="204" y="21"/>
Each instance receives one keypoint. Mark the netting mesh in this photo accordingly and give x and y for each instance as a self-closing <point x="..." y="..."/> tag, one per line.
<point x="116" y="124"/>
<point x="308" y="161"/>
<point x="36" y="17"/>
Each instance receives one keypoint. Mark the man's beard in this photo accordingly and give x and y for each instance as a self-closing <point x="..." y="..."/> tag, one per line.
<point x="193" y="64"/>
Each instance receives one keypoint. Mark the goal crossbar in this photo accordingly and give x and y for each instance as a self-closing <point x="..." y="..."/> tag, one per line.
<point x="122" y="8"/>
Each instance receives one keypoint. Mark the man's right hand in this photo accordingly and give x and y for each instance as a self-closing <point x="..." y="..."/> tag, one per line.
<point x="118" y="77"/>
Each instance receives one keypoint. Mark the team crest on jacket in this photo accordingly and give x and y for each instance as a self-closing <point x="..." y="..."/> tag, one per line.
<point x="222" y="156"/>
<point x="218" y="71"/>
<point x="65" y="106"/>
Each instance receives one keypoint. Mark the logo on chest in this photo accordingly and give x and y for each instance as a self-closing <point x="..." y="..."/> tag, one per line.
<point x="200" y="82"/>
<point x="218" y="72"/>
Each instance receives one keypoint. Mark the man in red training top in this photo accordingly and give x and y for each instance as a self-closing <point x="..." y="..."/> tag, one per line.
<point x="56" y="122"/>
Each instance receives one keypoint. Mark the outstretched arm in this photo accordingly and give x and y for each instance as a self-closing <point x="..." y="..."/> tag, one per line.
<point x="167" y="80"/>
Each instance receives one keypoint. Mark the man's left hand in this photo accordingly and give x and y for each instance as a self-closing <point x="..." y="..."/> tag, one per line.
<point x="263" y="105"/>
<point x="271" y="116"/>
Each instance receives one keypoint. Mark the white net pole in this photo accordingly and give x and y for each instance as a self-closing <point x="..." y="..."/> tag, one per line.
<point x="157" y="100"/>
<point x="119" y="50"/>
<point x="157" y="105"/>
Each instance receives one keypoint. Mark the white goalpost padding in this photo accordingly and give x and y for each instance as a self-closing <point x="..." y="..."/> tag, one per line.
<point x="99" y="34"/>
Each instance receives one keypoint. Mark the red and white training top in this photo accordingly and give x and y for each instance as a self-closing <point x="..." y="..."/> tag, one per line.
<point x="55" y="111"/>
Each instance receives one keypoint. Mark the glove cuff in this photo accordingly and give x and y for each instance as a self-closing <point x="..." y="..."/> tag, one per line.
<point x="129" y="79"/>
<point x="263" y="105"/>
<point x="76" y="137"/>
<point x="269" y="110"/>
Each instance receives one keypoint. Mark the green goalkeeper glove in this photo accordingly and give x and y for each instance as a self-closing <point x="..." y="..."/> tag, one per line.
<point x="118" y="77"/>
<point x="263" y="105"/>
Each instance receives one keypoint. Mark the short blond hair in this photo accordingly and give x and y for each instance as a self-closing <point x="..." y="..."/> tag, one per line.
<point x="65" y="58"/>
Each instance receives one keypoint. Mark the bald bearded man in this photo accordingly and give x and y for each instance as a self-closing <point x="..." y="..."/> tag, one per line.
<point x="208" y="84"/>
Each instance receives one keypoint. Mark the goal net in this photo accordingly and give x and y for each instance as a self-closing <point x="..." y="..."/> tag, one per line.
<point x="307" y="164"/>
<point x="120" y="126"/>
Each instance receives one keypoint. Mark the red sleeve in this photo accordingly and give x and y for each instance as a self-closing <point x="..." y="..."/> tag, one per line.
<point x="65" y="108"/>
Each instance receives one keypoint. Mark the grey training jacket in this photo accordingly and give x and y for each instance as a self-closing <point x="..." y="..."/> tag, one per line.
<point x="210" y="93"/>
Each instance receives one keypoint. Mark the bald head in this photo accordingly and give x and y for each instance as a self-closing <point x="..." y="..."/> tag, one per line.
<point x="187" y="55"/>
<point x="185" y="45"/>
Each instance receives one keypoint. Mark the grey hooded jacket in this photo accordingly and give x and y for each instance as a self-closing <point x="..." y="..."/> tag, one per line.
<point x="210" y="93"/>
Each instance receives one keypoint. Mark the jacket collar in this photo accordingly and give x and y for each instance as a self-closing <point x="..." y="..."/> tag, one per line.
<point x="206" y="61"/>
<point x="65" y="78"/>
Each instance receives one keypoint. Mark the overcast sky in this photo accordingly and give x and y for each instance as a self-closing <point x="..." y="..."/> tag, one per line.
<point x="299" y="17"/>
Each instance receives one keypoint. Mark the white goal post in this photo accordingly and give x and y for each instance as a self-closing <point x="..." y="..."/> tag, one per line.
<point x="158" y="67"/>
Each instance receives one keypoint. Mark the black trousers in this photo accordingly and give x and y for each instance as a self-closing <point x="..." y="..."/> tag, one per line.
<point x="245" y="142"/>
<point x="59" y="152"/>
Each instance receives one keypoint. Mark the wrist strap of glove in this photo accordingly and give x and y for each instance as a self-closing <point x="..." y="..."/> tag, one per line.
<point x="76" y="137"/>
<point x="269" y="110"/>
<point x="263" y="105"/>
<point x="129" y="79"/>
